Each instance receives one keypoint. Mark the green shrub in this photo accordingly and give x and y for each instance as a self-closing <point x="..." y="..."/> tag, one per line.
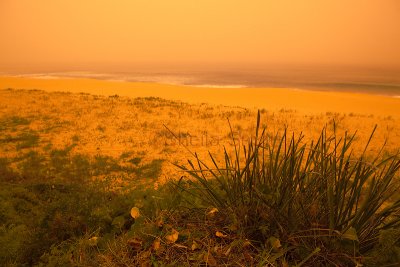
<point x="80" y="169"/>
<point x="13" y="122"/>
<point x="7" y="174"/>
<point x="60" y="161"/>
<point x="13" y="241"/>
<point x="104" y="165"/>
<point x="135" y="161"/>
<point x="51" y="222"/>
<point x="28" y="140"/>
<point x="33" y="166"/>
<point x="24" y="140"/>
<point x="150" y="170"/>
<point x="319" y="201"/>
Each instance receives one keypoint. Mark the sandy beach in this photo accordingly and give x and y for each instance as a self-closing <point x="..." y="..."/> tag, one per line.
<point x="313" y="102"/>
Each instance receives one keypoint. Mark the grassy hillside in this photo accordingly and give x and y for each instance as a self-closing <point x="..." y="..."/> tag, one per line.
<point x="72" y="167"/>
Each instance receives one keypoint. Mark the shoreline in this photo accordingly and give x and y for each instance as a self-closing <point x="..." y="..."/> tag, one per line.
<point x="302" y="100"/>
<point x="374" y="86"/>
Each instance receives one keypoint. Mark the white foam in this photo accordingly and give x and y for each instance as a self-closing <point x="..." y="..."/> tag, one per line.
<point x="46" y="77"/>
<point x="233" y="86"/>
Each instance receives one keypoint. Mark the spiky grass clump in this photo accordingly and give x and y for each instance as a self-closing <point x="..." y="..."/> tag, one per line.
<point x="315" y="203"/>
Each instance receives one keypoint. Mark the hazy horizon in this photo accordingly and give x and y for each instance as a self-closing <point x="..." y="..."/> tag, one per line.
<point x="325" y="78"/>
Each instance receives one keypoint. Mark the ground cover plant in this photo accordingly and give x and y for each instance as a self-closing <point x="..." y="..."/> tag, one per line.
<point x="52" y="206"/>
<point x="69" y="198"/>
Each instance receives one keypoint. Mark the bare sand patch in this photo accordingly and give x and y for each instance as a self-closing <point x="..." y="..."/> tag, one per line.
<point x="272" y="99"/>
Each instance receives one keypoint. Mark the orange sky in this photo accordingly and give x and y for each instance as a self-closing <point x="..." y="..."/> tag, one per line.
<point x="93" y="34"/>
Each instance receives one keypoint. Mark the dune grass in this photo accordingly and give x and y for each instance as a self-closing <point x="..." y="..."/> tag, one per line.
<point x="313" y="203"/>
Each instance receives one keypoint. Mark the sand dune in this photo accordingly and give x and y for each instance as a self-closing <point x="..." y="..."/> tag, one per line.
<point x="268" y="98"/>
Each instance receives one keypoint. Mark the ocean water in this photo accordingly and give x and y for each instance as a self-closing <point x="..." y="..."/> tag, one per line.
<point x="363" y="80"/>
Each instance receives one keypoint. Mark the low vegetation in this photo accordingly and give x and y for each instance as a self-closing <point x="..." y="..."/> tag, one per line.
<point x="302" y="203"/>
<point x="279" y="199"/>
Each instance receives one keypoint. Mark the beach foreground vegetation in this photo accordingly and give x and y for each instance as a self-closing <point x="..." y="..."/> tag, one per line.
<point x="276" y="198"/>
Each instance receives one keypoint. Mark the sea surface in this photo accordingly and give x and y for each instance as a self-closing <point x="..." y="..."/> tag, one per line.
<point x="362" y="80"/>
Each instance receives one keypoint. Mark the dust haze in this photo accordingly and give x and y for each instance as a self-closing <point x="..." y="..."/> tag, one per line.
<point x="153" y="35"/>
